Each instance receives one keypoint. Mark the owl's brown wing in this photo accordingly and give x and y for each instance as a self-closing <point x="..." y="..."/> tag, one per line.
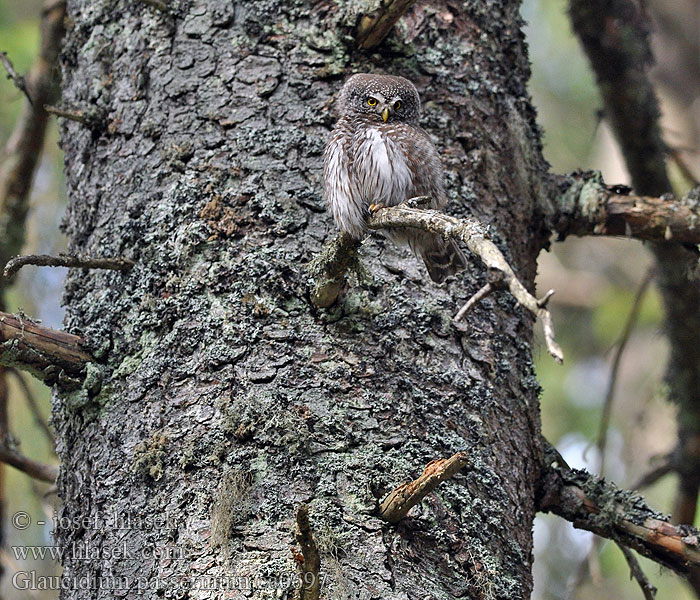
<point x="441" y="257"/>
<point x="424" y="162"/>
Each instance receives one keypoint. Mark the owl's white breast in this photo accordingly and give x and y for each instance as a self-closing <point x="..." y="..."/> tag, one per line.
<point x="382" y="169"/>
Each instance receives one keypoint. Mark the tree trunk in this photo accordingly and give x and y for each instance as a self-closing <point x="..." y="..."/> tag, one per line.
<point x="227" y="400"/>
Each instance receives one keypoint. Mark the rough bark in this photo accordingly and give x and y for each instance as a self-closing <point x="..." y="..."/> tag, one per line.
<point x="242" y="401"/>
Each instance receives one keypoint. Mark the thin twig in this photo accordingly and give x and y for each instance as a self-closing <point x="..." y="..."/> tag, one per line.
<point x="27" y="465"/>
<point x="81" y="262"/>
<point x="17" y="79"/>
<point x="310" y="563"/>
<point x="654" y="475"/>
<point x="72" y="114"/>
<point x="34" y="406"/>
<point x="615" y="369"/>
<point x="480" y="294"/>
<point x="397" y="504"/>
<point x="472" y="234"/>
<point x="374" y="28"/>
<point x="637" y="574"/>
<point x="494" y="280"/>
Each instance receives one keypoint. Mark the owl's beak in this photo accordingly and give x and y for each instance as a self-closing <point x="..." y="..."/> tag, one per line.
<point x="385" y="114"/>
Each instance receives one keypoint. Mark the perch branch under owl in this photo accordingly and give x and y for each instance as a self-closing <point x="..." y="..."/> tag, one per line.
<point x="329" y="269"/>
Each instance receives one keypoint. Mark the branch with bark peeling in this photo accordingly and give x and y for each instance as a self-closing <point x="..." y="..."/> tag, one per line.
<point x="329" y="268"/>
<point x="397" y="504"/>
<point x="596" y="505"/>
<point x="81" y="262"/>
<point x="49" y="355"/>
<point x="587" y="206"/>
<point x="374" y="28"/>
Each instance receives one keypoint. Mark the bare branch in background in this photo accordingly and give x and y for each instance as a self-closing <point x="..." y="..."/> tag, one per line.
<point x="26" y="143"/>
<point x="81" y="262"/>
<point x="17" y="79"/>
<point x="34" y="469"/>
<point x="637" y="574"/>
<point x="39" y="419"/>
<point x="614" y="371"/>
<point x="585" y="205"/>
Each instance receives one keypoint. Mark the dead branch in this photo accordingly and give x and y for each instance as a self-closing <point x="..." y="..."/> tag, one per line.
<point x="397" y="504"/>
<point x="472" y="234"/>
<point x="33" y="406"/>
<point x="310" y="563"/>
<point x="494" y="281"/>
<point x="17" y="79"/>
<point x="24" y="146"/>
<point x="27" y="465"/>
<point x="82" y="262"/>
<point x="619" y="351"/>
<point x="587" y="206"/>
<point x="374" y="28"/>
<point x="91" y="118"/>
<point x="596" y="505"/>
<point x="47" y="354"/>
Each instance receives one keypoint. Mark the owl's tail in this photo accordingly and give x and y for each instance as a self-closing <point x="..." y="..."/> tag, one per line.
<point x="441" y="257"/>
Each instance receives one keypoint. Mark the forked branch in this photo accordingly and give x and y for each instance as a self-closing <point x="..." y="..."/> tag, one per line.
<point x="472" y="234"/>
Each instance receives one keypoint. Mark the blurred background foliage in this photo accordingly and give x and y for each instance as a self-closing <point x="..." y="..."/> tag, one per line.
<point x="596" y="282"/>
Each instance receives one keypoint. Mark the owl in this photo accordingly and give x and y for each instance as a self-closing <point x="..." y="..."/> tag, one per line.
<point x="378" y="154"/>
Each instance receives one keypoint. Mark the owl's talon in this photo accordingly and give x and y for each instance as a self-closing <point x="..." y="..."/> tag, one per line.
<point x="373" y="208"/>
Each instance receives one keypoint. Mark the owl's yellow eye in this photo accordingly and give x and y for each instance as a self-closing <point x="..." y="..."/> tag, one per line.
<point x="397" y="105"/>
<point x="371" y="102"/>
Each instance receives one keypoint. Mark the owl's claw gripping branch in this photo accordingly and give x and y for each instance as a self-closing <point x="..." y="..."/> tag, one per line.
<point x="331" y="265"/>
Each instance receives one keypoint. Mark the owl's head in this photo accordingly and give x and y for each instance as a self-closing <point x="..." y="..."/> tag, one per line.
<point x="380" y="98"/>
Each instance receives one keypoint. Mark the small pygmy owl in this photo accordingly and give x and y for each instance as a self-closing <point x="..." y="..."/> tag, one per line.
<point x="378" y="154"/>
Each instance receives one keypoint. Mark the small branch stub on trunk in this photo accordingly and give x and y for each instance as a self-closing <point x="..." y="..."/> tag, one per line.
<point x="397" y="504"/>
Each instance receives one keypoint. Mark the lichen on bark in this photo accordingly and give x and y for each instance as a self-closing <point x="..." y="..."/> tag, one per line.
<point x="221" y="112"/>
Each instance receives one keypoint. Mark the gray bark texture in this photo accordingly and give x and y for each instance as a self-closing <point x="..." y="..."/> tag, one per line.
<point x="227" y="401"/>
